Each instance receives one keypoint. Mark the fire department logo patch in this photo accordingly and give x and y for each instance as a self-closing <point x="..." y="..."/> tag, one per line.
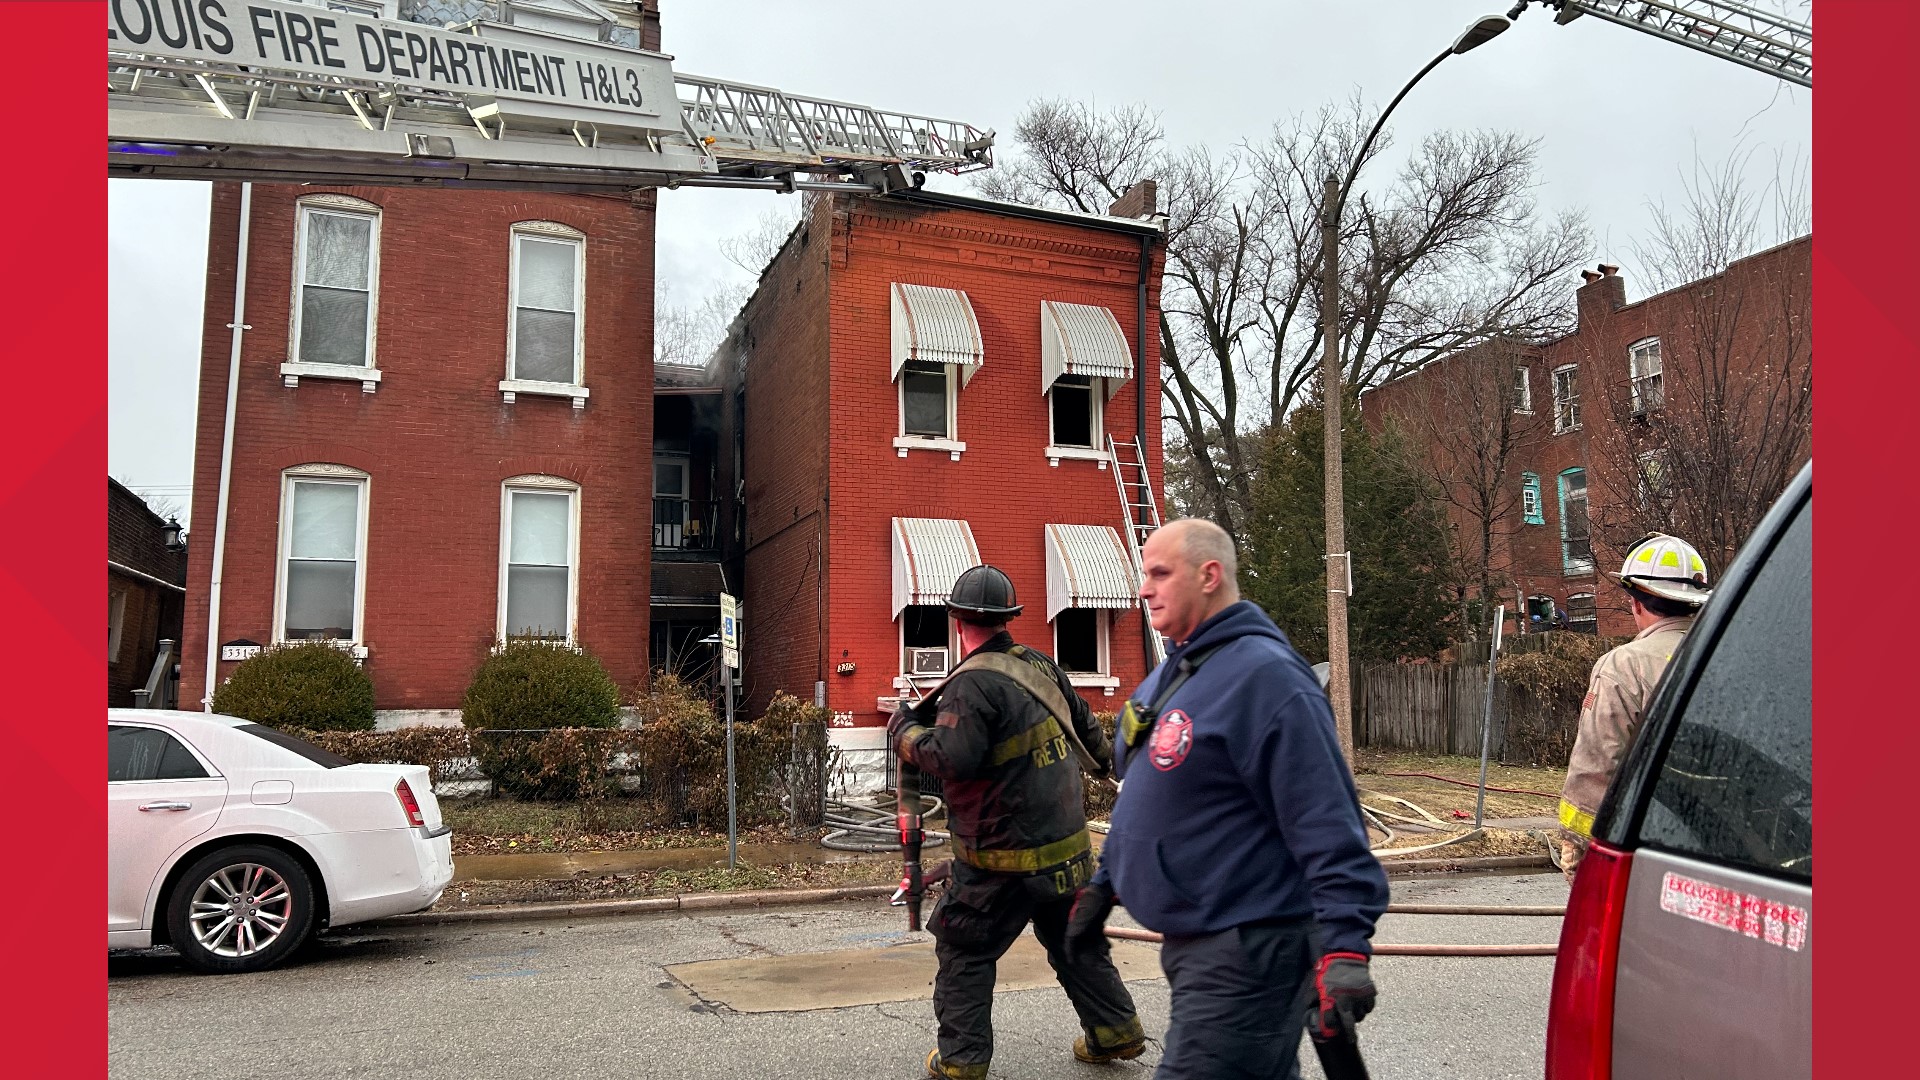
<point x="1172" y="738"/>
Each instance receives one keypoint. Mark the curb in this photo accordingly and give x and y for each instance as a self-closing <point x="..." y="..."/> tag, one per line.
<point x="646" y="906"/>
<point x="723" y="901"/>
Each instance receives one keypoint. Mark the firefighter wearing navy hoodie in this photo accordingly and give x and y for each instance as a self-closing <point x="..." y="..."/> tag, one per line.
<point x="1237" y="834"/>
<point x="1020" y="845"/>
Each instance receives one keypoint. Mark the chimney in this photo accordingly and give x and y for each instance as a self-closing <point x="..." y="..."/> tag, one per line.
<point x="1142" y="200"/>
<point x="1604" y="293"/>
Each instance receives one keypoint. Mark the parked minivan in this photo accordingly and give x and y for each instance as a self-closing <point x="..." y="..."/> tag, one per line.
<point x="1687" y="949"/>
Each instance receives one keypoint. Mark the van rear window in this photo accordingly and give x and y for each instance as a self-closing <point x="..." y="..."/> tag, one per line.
<point x="305" y="749"/>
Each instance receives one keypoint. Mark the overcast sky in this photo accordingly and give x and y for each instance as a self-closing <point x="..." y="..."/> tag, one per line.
<point x="1621" y="117"/>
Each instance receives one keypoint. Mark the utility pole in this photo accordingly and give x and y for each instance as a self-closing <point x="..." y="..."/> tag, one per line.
<point x="1339" y="572"/>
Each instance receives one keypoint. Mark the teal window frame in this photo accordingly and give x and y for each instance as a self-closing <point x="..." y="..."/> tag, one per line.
<point x="1532" y="508"/>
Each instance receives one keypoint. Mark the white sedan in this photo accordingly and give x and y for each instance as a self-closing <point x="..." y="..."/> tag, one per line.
<point x="234" y="842"/>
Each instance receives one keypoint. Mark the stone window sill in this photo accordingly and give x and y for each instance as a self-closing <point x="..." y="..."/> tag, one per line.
<point x="1055" y="454"/>
<point x="368" y="377"/>
<point x="510" y="388"/>
<point x="948" y="446"/>
<point x="1105" y="683"/>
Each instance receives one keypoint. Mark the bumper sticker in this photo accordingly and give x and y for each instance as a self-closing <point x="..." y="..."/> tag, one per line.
<point x="1772" y="921"/>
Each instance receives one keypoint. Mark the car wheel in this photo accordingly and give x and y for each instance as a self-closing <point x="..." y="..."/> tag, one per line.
<point x="240" y="909"/>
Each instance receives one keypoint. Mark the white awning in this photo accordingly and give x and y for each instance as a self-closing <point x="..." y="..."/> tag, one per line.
<point x="928" y="555"/>
<point x="1088" y="566"/>
<point x="1080" y="339"/>
<point x="936" y="326"/>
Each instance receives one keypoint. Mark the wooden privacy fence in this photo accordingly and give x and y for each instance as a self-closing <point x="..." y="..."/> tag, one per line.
<point x="1438" y="709"/>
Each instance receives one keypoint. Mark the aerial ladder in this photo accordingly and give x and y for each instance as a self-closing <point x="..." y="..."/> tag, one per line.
<point x="1731" y="30"/>
<point x="280" y="91"/>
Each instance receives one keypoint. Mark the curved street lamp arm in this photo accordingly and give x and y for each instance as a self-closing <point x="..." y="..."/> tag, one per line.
<point x="1353" y="169"/>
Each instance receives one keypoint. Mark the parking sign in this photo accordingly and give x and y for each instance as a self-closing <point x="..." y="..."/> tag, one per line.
<point x="729" y="632"/>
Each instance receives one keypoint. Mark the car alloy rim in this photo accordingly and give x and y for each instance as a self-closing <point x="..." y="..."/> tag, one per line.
<point x="240" y="910"/>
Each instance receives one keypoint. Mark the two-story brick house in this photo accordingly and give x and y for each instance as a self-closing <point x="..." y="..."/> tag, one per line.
<point x="928" y="382"/>
<point x="1585" y="415"/>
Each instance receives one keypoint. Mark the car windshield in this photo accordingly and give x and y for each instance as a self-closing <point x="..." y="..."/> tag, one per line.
<point x="305" y="749"/>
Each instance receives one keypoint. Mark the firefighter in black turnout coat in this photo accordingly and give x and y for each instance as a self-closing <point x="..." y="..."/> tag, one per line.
<point x="1016" y="813"/>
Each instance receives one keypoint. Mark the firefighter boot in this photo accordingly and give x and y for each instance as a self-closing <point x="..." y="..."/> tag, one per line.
<point x="940" y="1070"/>
<point x="1096" y="1053"/>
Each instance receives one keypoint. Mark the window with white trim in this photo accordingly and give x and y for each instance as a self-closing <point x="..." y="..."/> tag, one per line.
<point x="1566" y="399"/>
<point x="323" y="543"/>
<point x="1080" y="640"/>
<point x="539" y="558"/>
<point x="1073" y="406"/>
<point x="1522" y="390"/>
<point x="1656" y="476"/>
<point x="1644" y="366"/>
<point x="924" y="629"/>
<point x="1530" y="509"/>
<point x="336" y="280"/>
<point x="544" y="331"/>
<point x="927" y="400"/>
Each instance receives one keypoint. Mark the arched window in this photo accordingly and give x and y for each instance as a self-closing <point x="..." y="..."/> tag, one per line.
<point x="545" y="318"/>
<point x="322" y="581"/>
<point x="336" y="290"/>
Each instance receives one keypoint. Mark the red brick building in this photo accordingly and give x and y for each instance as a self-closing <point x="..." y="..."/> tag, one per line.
<point x="927" y="382"/>
<point x="146" y="591"/>
<point x="1584" y="418"/>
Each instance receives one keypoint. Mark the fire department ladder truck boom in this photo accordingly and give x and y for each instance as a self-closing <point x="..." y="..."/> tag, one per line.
<point x="1728" y="29"/>
<point x="272" y="91"/>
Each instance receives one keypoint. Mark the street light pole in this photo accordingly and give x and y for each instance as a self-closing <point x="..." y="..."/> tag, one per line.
<point x="1338" y="558"/>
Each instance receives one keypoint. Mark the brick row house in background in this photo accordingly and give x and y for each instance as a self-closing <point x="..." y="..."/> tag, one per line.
<point x="1555" y="457"/>
<point x="926" y="382"/>
<point x="443" y="426"/>
<point x="146" y="600"/>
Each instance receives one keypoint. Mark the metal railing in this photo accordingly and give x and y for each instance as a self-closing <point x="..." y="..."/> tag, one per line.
<point x="686" y="524"/>
<point x="163" y="683"/>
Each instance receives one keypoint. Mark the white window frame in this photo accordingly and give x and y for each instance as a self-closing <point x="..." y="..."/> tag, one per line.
<point x="1571" y="621"/>
<point x="1103" y="630"/>
<point x="1531" y="510"/>
<point x="906" y="680"/>
<point x="323" y="473"/>
<point x="1097" y="398"/>
<point x="1524" y="384"/>
<point x="371" y="9"/>
<point x="951" y="443"/>
<point x="116" y="622"/>
<point x="1643" y="483"/>
<point x="512" y="385"/>
<point x="546" y="485"/>
<point x="1566" y="410"/>
<point x="1636" y="378"/>
<point x="295" y="367"/>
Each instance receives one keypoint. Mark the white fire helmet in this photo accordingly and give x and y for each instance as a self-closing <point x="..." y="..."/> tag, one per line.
<point x="1666" y="566"/>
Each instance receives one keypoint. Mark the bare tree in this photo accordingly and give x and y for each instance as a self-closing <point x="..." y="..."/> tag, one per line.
<point x="688" y="333"/>
<point x="754" y="248"/>
<point x="1703" y="447"/>
<point x="1452" y="252"/>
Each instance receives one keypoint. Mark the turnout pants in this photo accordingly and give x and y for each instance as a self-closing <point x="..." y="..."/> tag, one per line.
<point x="977" y="919"/>
<point x="1238" y="1002"/>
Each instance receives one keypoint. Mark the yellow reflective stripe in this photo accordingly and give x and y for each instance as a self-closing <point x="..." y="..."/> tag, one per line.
<point x="1025" y="860"/>
<point x="1575" y="820"/>
<point x="1027" y="741"/>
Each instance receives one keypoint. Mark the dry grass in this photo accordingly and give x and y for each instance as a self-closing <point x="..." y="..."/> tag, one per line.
<point x="644" y="883"/>
<point x="501" y="826"/>
<point x="1448" y="801"/>
<point x="1490" y="843"/>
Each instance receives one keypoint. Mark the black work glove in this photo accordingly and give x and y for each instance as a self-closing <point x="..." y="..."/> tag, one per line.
<point x="902" y="719"/>
<point x="1343" y="995"/>
<point x="1087" y="922"/>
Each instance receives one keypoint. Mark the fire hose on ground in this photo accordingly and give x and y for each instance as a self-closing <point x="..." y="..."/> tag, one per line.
<point x="858" y="827"/>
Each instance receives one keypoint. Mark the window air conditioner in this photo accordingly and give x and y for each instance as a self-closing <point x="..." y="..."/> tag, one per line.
<point x="927" y="661"/>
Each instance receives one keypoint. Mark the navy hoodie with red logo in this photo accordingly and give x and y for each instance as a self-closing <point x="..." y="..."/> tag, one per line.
<point x="1238" y="807"/>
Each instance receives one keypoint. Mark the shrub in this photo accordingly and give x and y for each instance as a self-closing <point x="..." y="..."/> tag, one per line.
<point x="532" y="698"/>
<point x="1099" y="795"/>
<point x="440" y="749"/>
<point x="307" y="685"/>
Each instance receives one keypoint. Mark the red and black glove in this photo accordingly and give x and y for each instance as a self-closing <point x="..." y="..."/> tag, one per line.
<point x="1087" y="922"/>
<point x="1343" y="995"/>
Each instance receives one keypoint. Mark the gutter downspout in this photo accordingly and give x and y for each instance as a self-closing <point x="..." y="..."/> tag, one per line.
<point x="239" y="327"/>
<point x="1140" y="409"/>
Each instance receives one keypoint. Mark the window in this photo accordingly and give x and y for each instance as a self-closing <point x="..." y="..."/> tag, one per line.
<point x="1522" y="391"/>
<point x="116" y="618"/>
<point x="544" y="335"/>
<point x="323" y="533"/>
<point x="372" y="9"/>
<point x="1566" y="400"/>
<point x="1075" y="404"/>
<point x="1656" y="478"/>
<point x="924" y="626"/>
<point x="337" y="272"/>
<point x="1736" y="783"/>
<point x="1530" y="508"/>
<point x="671" y="522"/>
<point x="1583" y="617"/>
<point x="143" y="753"/>
<point x="1643" y="363"/>
<point x="926" y="400"/>
<point x="1080" y="641"/>
<point x="1576" y="544"/>
<point x="539" y="548"/>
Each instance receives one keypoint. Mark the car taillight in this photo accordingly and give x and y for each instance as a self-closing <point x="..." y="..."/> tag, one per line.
<point x="1580" y="1018"/>
<point x="410" y="804"/>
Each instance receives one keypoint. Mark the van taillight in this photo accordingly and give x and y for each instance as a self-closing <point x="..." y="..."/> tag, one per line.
<point x="1580" y="1018"/>
<point x="410" y="804"/>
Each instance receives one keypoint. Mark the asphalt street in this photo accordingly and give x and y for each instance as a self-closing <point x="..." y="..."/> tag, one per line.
<point x="592" y="998"/>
